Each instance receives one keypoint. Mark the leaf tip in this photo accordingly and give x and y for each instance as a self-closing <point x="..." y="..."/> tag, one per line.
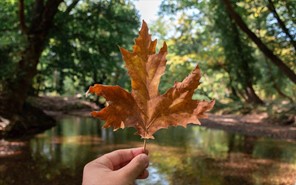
<point x="87" y="93"/>
<point x="144" y="22"/>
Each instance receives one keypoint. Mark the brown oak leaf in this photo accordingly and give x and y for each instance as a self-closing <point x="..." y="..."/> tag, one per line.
<point x="144" y="108"/>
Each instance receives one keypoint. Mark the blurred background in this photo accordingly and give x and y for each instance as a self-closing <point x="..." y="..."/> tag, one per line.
<point x="51" y="51"/>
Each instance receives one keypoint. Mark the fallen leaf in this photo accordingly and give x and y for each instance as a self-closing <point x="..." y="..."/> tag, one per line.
<point x="144" y="108"/>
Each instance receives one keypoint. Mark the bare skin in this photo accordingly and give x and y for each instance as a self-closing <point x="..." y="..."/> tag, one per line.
<point x="120" y="167"/>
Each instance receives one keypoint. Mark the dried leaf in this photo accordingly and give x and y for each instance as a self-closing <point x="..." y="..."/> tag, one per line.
<point x="144" y="108"/>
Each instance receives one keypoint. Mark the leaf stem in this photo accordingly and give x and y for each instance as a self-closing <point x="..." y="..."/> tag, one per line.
<point x="145" y="144"/>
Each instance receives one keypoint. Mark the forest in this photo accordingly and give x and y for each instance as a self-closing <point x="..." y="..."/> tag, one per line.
<point x="245" y="49"/>
<point x="53" y="51"/>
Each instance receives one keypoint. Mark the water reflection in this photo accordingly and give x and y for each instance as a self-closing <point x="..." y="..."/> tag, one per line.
<point x="194" y="155"/>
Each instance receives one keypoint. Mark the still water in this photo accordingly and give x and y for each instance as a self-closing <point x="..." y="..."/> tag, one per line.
<point x="179" y="156"/>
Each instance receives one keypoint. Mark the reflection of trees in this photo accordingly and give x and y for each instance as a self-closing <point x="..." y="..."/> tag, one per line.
<point x="201" y="160"/>
<point x="32" y="168"/>
<point x="174" y="136"/>
<point x="231" y="144"/>
<point x="56" y="157"/>
<point x="236" y="180"/>
<point x="244" y="144"/>
<point x="202" y="170"/>
<point x="276" y="150"/>
<point x="249" y="143"/>
<point x="107" y="136"/>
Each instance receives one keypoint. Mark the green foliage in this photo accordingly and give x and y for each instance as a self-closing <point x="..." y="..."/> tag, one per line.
<point x="239" y="60"/>
<point x="203" y="33"/>
<point x="193" y="42"/>
<point x="272" y="84"/>
<point x="83" y="48"/>
<point x="11" y="39"/>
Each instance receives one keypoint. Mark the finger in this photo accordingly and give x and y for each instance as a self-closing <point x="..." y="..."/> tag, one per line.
<point x="144" y="174"/>
<point x="146" y="151"/>
<point x="119" y="158"/>
<point x="126" y="162"/>
<point x="136" y="167"/>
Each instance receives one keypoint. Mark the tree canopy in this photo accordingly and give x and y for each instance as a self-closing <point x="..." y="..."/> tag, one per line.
<point x="245" y="49"/>
<point x="59" y="47"/>
<point x="235" y="66"/>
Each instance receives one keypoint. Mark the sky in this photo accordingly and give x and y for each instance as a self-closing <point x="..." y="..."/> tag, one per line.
<point x="148" y="9"/>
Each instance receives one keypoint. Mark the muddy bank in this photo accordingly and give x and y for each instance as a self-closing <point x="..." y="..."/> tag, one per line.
<point x="59" y="106"/>
<point x="251" y="124"/>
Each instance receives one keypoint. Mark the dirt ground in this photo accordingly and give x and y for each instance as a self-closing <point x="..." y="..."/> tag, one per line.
<point x="255" y="124"/>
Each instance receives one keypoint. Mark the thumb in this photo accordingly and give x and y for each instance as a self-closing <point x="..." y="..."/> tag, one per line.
<point x="135" y="167"/>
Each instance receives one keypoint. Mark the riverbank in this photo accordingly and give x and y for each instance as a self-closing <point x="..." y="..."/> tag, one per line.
<point x="253" y="124"/>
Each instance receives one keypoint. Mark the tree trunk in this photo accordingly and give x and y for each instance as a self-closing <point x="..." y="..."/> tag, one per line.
<point x="15" y="91"/>
<point x="245" y="70"/>
<point x="264" y="49"/>
<point x="247" y="74"/>
<point x="252" y="96"/>
<point x="276" y="86"/>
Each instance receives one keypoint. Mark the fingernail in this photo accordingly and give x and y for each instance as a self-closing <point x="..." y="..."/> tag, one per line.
<point x="145" y="159"/>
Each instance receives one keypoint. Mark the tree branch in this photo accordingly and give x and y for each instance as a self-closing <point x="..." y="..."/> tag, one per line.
<point x="271" y="8"/>
<point x="71" y="6"/>
<point x="21" y="14"/>
<point x="263" y="48"/>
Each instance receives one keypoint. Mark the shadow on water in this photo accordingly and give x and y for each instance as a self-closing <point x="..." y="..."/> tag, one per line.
<point x="178" y="156"/>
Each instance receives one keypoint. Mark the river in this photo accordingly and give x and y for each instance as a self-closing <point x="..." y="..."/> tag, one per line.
<point x="178" y="156"/>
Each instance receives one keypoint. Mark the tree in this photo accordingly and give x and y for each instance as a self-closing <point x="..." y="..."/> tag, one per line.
<point x="39" y="26"/>
<point x="14" y="87"/>
<point x="239" y="60"/>
<point x="86" y="56"/>
<point x="194" y="36"/>
<point x="198" y="40"/>
<point x="265" y="50"/>
<point x="281" y="23"/>
<point x="191" y="40"/>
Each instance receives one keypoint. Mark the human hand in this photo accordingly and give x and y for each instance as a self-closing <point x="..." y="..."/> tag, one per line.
<point x="120" y="167"/>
